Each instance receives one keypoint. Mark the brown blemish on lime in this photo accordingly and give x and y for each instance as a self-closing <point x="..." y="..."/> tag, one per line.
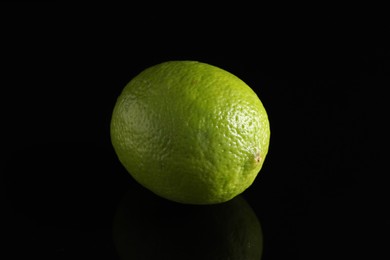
<point x="258" y="158"/>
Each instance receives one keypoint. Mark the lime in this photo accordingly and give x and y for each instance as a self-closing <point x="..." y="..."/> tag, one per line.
<point x="190" y="132"/>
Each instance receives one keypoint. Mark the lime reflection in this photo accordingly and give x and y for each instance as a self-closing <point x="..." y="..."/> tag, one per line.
<point x="148" y="227"/>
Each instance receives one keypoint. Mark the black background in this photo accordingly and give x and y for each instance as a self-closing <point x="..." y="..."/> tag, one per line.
<point x="321" y="193"/>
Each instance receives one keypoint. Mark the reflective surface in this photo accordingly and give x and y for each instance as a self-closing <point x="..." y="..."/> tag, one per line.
<point x="147" y="227"/>
<point x="69" y="200"/>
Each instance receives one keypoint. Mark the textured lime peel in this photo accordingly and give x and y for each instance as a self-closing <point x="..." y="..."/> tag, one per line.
<point x="190" y="132"/>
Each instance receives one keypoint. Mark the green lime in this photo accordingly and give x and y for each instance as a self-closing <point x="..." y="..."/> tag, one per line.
<point x="190" y="132"/>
